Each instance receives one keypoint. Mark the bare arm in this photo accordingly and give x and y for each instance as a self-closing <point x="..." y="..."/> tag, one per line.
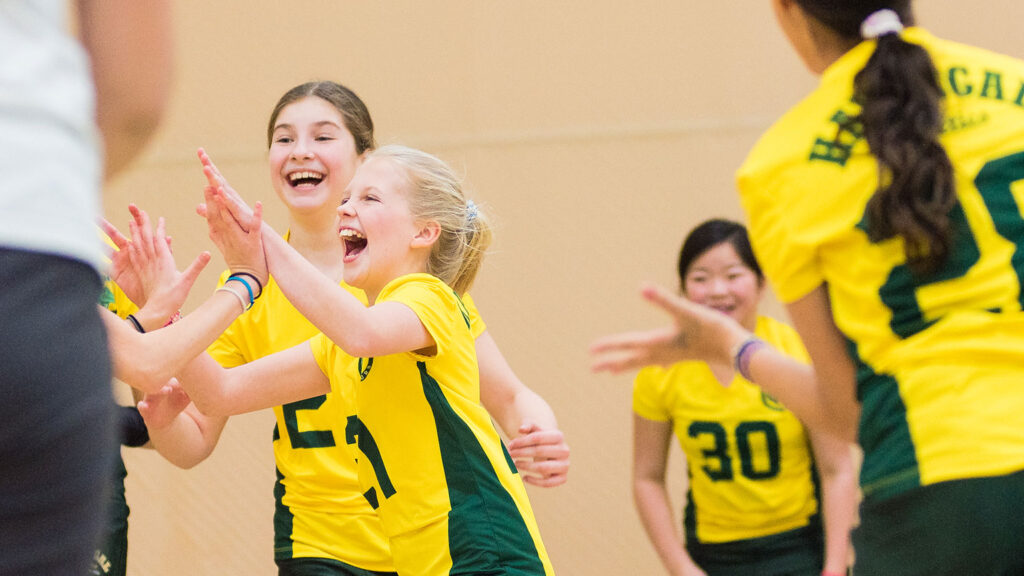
<point x="148" y="361"/>
<point x="835" y="371"/>
<point x="177" y="430"/>
<point x="834" y="460"/>
<point x="130" y="45"/>
<point x="280" y="378"/>
<point x="537" y="445"/>
<point x="361" y="331"/>
<point x="699" y="333"/>
<point x="651" y="441"/>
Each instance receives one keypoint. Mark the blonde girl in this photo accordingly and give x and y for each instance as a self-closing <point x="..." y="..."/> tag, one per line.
<point x="430" y="462"/>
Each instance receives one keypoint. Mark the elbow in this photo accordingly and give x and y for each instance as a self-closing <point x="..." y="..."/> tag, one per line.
<point x="211" y="405"/>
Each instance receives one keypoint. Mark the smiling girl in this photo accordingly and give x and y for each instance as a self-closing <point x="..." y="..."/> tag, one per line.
<point x="753" y="505"/>
<point x="430" y="461"/>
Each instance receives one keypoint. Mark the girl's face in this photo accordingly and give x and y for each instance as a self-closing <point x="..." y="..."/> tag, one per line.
<point x="382" y="239"/>
<point x="312" y="155"/>
<point x="720" y="280"/>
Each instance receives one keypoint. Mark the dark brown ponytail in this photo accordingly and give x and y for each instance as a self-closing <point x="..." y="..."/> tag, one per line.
<point x="901" y="115"/>
<point x="901" y="118"/>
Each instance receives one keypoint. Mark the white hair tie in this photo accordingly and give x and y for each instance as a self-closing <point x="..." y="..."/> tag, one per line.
<point x="880" y="23"/>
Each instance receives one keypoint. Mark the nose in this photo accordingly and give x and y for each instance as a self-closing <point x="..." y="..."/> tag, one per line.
<point x="301" y="150"/>
<point x="345" y="209"/>
<point x="719" y="286"/>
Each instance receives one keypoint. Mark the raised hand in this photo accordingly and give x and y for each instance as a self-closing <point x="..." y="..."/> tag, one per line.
<point x="241" y="247"/>
<point x="698" y="333"/>
<point x="542" y="456"/>
<point x="121" y="270"/>
<point x="144" y="267"/>
<point x="243" y="213"/>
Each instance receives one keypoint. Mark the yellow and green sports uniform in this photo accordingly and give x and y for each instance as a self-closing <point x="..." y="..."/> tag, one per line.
<point x="320" y="510"/>
<point x="752" y="482"/>
<point x="940" y="358"/>
<point x="430" y="461"/>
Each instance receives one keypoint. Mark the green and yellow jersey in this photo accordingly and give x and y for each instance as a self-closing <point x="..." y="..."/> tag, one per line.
<point x="320" y="512"/>
<point x="430" y="460"/>
<point x="748" y="459"/>
<point x="939" y="357"/>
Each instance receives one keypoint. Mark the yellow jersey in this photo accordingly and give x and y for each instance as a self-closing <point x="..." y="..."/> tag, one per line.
<point x="940" y="358"/>
<point x="430" y="460"/>
<point x="748" y="459"/>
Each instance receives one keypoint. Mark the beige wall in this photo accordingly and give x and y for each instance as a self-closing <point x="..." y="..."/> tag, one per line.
<point x="596" y="134"/>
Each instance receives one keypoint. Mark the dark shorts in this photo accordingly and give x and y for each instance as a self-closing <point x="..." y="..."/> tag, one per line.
<point x="959" y="528"/>
<point x="322" y="567"/>
<point x="797" y="552"/>
<point x="56" y="414"/>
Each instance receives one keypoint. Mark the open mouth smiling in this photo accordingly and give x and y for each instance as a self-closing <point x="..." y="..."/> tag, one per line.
<point x="354" y="242"/>
<point x="306" y="178"/>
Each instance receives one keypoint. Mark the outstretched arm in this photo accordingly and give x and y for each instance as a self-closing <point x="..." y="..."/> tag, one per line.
<point x="361" y="331"/>
<point x="537" y="445"/>
<point x="699" y="333"/>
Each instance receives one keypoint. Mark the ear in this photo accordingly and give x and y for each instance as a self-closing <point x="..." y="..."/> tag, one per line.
<point x="428" y="233"/>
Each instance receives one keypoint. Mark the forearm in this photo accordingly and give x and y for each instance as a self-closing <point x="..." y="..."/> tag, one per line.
<point x="189" y="439"/>
<point x="328" y="306"/>
<point x="792" y="383"/>
<point x="148" y="361"/>
<point x="526" y="407"/>
<point x="655" y="511"/>
<point x="839" y="504"/>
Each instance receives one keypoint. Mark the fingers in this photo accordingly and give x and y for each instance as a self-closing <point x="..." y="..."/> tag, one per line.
<point x="542" y="456"/>
<point x="114" y="234"/>
<point x="545" y="443"/>
<point x="545" y="474"/>
<point x="191" y="273"/>
<point x="666" y="300"/>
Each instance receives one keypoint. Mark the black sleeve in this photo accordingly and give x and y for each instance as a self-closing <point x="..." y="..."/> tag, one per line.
<point x="133" y="427"/>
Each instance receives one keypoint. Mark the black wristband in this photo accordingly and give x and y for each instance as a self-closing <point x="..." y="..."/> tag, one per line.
<point x="254" y="279"/>
<point x="132" y="427"/>
<point x="135" y="322"/>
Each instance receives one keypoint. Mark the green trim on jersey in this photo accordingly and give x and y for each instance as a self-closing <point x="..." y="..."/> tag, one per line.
<point x="283" y="517"/>
<point x="890" y="467"/>
<point x="939" y="354"/>
<point x="486" y="530"/>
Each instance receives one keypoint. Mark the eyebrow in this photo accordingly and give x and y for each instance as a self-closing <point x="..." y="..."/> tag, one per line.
<point x="320" y="124"/>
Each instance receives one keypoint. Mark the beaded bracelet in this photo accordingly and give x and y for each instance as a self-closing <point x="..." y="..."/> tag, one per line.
<point x="742" y="354"/>
<point x="174" y="318"/>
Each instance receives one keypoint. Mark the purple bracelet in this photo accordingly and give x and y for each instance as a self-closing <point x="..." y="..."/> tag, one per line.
<point x="744" y="352"/>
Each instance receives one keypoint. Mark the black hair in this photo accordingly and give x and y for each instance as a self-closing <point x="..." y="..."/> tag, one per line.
<point x="711" y="233"/>
<point x="901" y="118"/>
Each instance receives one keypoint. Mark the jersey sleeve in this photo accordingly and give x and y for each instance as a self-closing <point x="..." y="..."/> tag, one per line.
<point x="476" y="322"/>
<point x="785" y="244"/>
<point x="648" y="393"/>
<point x="321" y="346"/>
<point x="434" y="303"/>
